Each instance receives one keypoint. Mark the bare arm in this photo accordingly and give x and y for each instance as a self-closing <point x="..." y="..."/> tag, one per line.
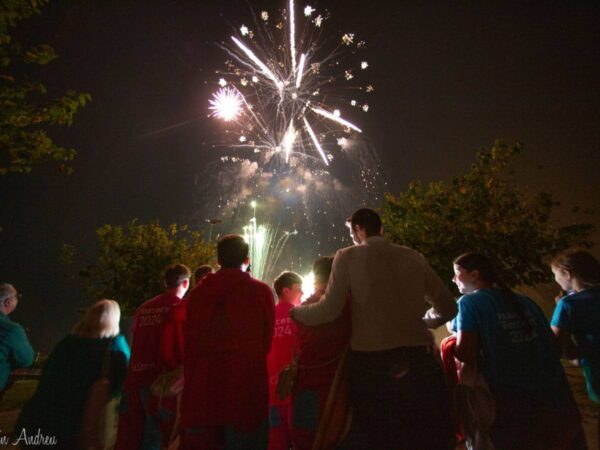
<point x="443" y="307"/>
<point x="467" y="346"/>
<point x="568" y="348"/>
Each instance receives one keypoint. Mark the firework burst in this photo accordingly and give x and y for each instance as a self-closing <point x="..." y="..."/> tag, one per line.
<point x="226" y="104"/>
<point x="286" y="90"/>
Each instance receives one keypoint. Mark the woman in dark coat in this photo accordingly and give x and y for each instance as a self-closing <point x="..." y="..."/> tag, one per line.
<point x="94" y="346"/>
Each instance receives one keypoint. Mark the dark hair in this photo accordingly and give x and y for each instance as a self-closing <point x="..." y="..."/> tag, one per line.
<point x="476" y="261"/>
<point x="232" y="250"/>
<point x="322" y="268"/>
<point x="202" y="271"/>
<point x="367" y="219"/>
<point x="175" y="275"/>
<point x="286" y="280"/>
<point x="580" y="264"/>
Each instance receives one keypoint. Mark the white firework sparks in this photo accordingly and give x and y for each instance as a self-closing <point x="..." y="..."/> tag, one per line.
<point x="226" y="104"/>
<point x="296" y="82"/>
<point x="266" y="243"/>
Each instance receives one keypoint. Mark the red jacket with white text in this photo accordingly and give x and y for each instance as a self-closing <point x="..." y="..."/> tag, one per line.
<point x="148" y="333"/>
<point x="282" y="350"/>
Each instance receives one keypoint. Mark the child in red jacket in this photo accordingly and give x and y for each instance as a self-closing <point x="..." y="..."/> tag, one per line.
<point x="288" y="287"/>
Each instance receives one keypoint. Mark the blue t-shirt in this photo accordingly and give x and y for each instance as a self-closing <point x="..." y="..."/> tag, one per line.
<point x="512" y="354"/>
<point x="15" y="349"/>
<point x="579" y="315"/>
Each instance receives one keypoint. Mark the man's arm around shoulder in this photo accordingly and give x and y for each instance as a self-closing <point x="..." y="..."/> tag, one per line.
<point x="443" y="307"/>
<point x="333" y="301"/>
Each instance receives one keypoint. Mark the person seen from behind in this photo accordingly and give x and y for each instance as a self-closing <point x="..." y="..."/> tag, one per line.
<point x="319" y="404"/>
<point x="576" y="319"/>
<point x="201" y="272"/>
<point x="228" y="333"/>
<point x="15" y="349"/>
<point x="139" y="423"/>
<point x="397" y="388"/>
<point x="59" y="408"/>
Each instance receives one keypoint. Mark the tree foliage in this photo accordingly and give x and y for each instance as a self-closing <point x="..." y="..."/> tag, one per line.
<point x="484" y="210"/>
<point x="132" y="258"/>
<point x="25" y="111"/>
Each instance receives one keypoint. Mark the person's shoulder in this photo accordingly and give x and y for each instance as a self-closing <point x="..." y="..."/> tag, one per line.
<point x="475" y="298"/>
<point x="259" y="286"/>
<point x="583" y="296"/>
<point x="348" y="250"/>
<point x="525" y="299"/>
<point x="150" y="303"/>
<point x="406" y="251"/>
<point x="585" y="301"/>
<point x="119" y="340"/>
<point x="12" y="328"/>
<point x="120" y="344"/>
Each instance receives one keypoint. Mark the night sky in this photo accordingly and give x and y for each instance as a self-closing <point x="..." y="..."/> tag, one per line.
<point x="450" y="78"/>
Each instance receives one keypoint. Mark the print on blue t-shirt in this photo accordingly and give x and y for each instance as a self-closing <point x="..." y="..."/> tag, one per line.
<point x="513" y="353"/>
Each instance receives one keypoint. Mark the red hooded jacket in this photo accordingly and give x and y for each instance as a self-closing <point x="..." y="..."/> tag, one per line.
<point x="228" y="333"/>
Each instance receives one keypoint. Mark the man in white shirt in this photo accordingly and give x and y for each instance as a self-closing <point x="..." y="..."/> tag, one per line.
<point x="397" y="388"/>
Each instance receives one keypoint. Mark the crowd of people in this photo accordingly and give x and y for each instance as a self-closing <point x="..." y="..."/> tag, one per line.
<point x="225" y="366"/>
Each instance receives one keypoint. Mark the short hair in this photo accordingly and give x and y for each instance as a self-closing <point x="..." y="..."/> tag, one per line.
<point x="367" y="219"/>
<point x="176" y="274"/>
<point x="7" y="290"/>
<point x="202" y="271"/>
<point x="101" y="320"/>
<point x="321" y="268"/>
<point x="581" y="264"/>
<point x="232" y="251"/>
<point x="286" y="280"/>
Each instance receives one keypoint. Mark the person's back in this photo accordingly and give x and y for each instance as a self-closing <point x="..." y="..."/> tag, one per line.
<point x="15" y="349"/>
<point x="514" y="353"/>
<point x="147" y="326"/>
<point x="579" y="314"/>
<point x="584" y="311"/>
<point x="319" y="405"/>
<point x="576" y="319"/>
<point x="139" y="423"/>
<point x="397" y="389"/>
<point x="75" y="364"/>
<point x="228" y="333"/>
<point x="389" y="284"/>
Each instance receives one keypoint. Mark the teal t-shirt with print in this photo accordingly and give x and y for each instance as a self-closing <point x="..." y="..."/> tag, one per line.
<point x="579" y="315"/>
<point x="513" y="353"/>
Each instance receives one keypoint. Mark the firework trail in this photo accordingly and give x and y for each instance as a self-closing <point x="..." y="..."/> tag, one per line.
<point x="289" y="103"/>
<point x="283" y="90"/>
<point x="266" y="244"/>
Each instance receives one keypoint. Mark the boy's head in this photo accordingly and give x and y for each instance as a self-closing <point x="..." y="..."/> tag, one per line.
<point x="288" y="287"/>
<point x="176" y="275"/>
<point x="232" y="251"/>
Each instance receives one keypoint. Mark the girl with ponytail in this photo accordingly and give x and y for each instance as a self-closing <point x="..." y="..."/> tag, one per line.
<point x="576" y="319"/>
